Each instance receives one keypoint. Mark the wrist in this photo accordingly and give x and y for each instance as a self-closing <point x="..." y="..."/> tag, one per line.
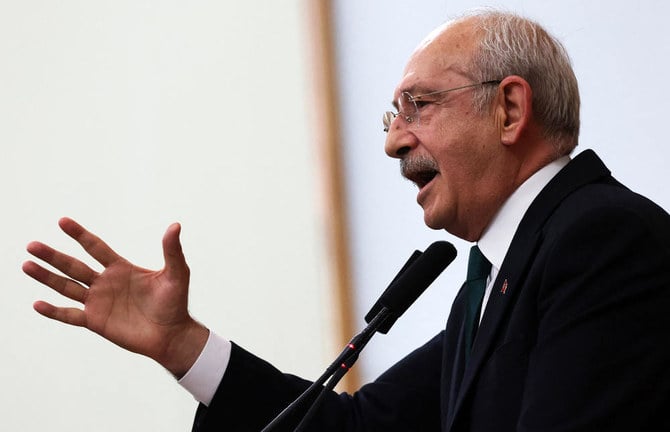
<point x="183" y="348"/>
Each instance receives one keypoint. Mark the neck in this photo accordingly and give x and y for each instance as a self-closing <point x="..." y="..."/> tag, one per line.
<point x="512" y="170"/>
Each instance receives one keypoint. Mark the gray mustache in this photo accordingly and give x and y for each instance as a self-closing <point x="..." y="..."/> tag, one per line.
<point x="418" y="164"/>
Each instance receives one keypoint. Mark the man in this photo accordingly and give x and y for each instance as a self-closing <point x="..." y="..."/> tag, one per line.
<point x="571" y="331"/>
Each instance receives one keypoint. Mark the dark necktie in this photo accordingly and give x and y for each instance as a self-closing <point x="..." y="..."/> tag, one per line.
<point x="478" y="271"/>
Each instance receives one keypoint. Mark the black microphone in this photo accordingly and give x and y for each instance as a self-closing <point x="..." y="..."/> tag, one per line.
<point x="420" y="270"/>
<point x="412" y="282"/>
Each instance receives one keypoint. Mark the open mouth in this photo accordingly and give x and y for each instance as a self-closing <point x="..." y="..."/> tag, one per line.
<point x="421" y="171"/>
<point x="424" y="177"/>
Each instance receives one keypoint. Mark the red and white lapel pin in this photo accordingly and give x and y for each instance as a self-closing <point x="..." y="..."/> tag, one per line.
<point x="503" y="289"/>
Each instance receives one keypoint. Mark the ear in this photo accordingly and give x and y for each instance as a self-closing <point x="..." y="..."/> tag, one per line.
<point x="515" y="108"/>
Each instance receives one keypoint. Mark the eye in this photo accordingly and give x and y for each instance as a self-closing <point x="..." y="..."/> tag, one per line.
<point x="422" y="103"/>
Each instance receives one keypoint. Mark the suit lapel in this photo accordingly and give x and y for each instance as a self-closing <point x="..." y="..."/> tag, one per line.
<point x="505" y="289"/>
<point x="585" y="168"/>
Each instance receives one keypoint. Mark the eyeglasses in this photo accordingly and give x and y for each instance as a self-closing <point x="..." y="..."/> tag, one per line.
<point x="410" y="106"/>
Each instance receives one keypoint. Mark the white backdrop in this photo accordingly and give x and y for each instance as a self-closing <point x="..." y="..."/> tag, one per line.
<point x="129" y="115"/>
<point x="620" y="51"/>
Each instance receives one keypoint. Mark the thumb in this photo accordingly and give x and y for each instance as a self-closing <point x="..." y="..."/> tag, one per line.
<point x="175" y="262"/>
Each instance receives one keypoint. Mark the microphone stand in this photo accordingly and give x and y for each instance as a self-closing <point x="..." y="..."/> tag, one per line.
<point x="416" y="275"/>
<point x="335" y="372"/>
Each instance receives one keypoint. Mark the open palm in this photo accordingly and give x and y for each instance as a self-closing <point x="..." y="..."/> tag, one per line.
<point x="140" y="310"/>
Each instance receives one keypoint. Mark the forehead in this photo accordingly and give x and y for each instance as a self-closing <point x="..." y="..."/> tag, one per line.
<point x="440" y="57"/>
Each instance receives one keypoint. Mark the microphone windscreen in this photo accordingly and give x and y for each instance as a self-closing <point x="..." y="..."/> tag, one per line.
<point x="420" y="271"/>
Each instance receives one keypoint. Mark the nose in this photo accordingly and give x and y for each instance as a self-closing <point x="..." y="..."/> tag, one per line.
<point x="399" y="140"/>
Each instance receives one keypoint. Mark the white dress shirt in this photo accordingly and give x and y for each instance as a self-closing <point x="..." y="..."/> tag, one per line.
<point x="204" y="377"/>
<point x="497" y="237"/>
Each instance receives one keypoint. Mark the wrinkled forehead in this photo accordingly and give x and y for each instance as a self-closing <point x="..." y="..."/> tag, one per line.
<point x="439" y="59"/>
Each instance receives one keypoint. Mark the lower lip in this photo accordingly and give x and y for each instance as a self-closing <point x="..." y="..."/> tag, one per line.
<point x="421" y="196"/>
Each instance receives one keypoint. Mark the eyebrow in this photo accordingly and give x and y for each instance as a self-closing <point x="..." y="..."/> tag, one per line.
<point x="420" y="89"/>
<point x="413" y="90"/>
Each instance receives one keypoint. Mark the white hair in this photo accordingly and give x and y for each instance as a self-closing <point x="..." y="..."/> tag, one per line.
<point x="513" y="45"/>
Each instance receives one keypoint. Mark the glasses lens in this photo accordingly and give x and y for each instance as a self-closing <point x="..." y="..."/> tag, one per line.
<point x="408" y="108"/>
<point x="388" y="119"/>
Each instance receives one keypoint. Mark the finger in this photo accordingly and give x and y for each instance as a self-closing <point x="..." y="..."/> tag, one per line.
<point x="62" y="285"/>
<point x="68" y="265"/>
<point x="175" y="262"/>
<point x="91" y="243"/>
<point x="70" y="316"/>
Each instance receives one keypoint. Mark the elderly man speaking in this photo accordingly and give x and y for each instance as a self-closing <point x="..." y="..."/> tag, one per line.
<point x="566" y="329"/>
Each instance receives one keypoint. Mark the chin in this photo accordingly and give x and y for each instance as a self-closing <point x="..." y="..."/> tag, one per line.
<point x="432" y="222"/>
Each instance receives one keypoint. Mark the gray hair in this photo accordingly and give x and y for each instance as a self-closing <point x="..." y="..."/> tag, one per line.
<point x="513" y="45"/>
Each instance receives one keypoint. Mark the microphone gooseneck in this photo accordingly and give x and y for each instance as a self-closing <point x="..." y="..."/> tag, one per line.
<point x="420" y="270"/>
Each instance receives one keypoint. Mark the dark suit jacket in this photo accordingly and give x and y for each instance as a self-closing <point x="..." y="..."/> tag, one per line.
<point x="574" y="336"/>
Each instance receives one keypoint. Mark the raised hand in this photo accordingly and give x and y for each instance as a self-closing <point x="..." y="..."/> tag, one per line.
<point x="140" y="310"/>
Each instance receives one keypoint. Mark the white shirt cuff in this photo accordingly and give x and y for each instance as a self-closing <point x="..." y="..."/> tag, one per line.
<point x="204" y="377"/>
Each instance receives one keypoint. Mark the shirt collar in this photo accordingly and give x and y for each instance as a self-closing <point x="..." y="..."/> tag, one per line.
<point x="497" y="237"/>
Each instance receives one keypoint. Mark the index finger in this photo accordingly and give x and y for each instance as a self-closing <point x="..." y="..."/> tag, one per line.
<point x="91" y="243"/>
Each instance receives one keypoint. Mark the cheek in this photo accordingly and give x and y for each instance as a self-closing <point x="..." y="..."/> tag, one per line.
<point x="461" y="143"/>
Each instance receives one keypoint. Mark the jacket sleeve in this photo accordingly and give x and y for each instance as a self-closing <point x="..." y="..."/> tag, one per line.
<point x="253" y="392"/>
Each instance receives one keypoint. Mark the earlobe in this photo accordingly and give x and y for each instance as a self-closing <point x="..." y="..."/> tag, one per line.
<point x="515" y="107"/>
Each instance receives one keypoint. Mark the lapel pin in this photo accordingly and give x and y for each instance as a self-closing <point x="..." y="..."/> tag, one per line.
<point x="503" y="289"/>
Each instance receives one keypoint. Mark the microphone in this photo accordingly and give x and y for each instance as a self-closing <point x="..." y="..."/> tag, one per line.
<point x="420" y="270"/>
<point x="409" y="284"/>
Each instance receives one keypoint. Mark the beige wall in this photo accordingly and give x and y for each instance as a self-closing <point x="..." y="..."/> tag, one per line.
<point x="129" y="115"/>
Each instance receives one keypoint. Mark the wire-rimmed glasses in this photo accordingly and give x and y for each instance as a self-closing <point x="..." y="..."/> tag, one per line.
<point x="410" y="106"/>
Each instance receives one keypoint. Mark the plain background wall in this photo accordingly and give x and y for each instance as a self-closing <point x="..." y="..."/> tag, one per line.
<point x="129" y="115"/>
<point x="620" y="52"/>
